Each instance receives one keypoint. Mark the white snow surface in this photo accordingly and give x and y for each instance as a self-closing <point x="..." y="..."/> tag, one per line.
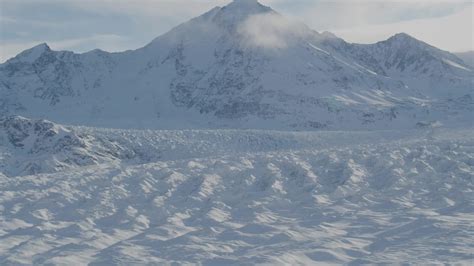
<point x="217" y="197"/>
<point x="262" y="157"/>
<point x="454" y="64"/>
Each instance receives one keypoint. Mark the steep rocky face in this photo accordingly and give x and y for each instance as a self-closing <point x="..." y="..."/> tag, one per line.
<point x="405" y="54"/>
<point x="39" y="79"/>
<point x="23" y="132"/>
<point x="30" y="146"/>
<point x="240" y="66"/>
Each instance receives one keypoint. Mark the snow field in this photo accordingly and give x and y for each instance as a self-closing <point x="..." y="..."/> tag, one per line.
<point x="376" y="201"/>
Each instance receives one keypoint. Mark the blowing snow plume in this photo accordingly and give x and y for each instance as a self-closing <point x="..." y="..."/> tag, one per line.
<point x="271" y="31"/>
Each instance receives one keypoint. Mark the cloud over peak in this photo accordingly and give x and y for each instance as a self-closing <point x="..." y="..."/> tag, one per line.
<point x="270" y="30"/>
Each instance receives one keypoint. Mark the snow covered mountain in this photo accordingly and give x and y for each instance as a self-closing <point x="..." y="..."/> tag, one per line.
<point x="242" y="66"/>
<point x="75" y="191"/>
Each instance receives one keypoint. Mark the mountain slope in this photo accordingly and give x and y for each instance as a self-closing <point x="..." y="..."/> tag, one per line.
<point x="242" y="66"/>
<point x="467" y="57"/>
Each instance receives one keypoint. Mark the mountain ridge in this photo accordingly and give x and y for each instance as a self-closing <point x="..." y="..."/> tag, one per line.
<point x="467" y="57"/>
<point x="241" y="66"/>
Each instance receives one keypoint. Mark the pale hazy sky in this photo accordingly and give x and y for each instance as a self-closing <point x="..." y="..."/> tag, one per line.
<point x="116" y="25"/>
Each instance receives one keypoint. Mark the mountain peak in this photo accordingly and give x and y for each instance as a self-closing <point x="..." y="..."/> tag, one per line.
<point x="402" y="37"/>
<point x="42" y="47"/>
<point x="246" y="7"/>
<point x="245" y="2"/>
<point x="33" y="53"/>
<point x="403" y="40"/>
<point x="238" y="11"/>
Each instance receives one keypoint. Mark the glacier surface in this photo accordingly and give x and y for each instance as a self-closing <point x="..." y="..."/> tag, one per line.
<point x="217" y="197"/>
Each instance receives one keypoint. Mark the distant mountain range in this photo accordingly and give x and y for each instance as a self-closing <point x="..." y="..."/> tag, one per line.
<point x="243" y="66"/>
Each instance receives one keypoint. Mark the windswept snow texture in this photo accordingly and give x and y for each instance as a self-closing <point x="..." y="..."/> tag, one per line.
<point x="248" y="197"/>
<point x="77" y="195"/>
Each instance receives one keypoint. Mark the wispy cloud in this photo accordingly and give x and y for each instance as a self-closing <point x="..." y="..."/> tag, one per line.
<point x="106" y="41"/>
<point x="99" y="41"/>
<point x="447" y="24"/>
<point x="270" y="30"/>
<point x="324" y="14"/>
<point x="23" y="22"/>
<point x="453" y="33"/>
<point x="28" y="22"/>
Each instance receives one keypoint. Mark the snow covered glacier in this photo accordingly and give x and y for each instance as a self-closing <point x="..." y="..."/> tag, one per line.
<point x="220" y="197"/>
<point x="239" y="137"/>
